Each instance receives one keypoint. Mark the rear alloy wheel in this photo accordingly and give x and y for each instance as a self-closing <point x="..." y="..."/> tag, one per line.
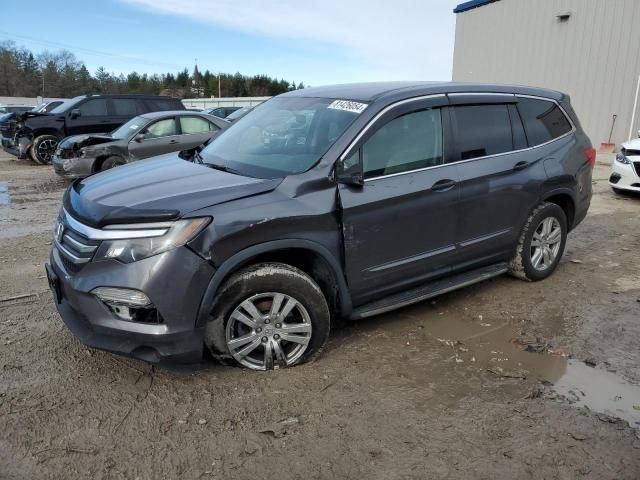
<point x="43" y="148"/>
<point x="268" y="316"/>
<point x="541" y="243"/>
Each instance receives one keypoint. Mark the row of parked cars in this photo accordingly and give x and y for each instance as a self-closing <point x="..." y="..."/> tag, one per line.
<point x="92" y="133"/>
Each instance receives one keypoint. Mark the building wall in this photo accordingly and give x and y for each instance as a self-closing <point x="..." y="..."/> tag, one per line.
<point x="594" y="56"/>
<point x="223" y="102"/>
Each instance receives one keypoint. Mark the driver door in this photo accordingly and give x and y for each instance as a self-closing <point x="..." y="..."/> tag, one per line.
<point x="399" y="227"/>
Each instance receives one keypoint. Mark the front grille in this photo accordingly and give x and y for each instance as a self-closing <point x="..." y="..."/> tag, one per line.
<point x="75" y="249"/>
<point x="636" y="165"/>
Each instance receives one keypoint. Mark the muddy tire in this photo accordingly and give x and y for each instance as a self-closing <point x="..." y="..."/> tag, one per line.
<point x="43" y="148"/>
<point x="111" y="162"/>
<point x="269" y="315"/>
<point x="541" y="243"/>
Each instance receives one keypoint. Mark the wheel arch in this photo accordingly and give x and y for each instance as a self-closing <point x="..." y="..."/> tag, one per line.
<point x="309" y="256"/>
<point x="564" y="198"/>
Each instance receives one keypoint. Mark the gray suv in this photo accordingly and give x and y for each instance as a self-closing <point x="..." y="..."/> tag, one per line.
<point x="323" y="203"/>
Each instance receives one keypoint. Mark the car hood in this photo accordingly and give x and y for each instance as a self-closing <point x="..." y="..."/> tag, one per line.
<point x="80" y="141"/>
<point x="157" y="189"/>
<point x="632" y="144"/>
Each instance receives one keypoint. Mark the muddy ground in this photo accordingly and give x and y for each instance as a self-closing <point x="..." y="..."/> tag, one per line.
<point x="444" y="389"/>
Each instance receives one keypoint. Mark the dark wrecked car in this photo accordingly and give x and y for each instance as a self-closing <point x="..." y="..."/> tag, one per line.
<point x="141" y="137"/>
<point x="37" y="134"/>
<point x="344" y="201"/>
<point x="8" y="121"/>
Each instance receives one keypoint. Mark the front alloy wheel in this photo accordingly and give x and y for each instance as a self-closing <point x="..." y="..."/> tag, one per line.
<point x="267" y="316"/>
<point x="268" y="330"/>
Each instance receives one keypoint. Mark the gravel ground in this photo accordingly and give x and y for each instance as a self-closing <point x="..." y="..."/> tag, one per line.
<point x="443" y="389"/>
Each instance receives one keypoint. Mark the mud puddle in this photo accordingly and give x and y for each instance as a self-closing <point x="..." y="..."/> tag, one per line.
<point x="502" y="350"/>
<point x="30" y="193"/>
<point x="600" y="391"/>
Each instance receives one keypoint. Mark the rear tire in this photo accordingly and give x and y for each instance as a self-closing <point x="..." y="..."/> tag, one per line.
<point x="541" y="243"/>
<point x="111" y="162"/>
<point x="269" y="315"/>
<point x="43" y="148"/>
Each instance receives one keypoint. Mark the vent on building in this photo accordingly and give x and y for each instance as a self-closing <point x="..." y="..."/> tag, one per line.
<point x="563" y="17"/>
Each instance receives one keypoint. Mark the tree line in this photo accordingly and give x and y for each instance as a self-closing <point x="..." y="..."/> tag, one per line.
<point x="60" y="74"/>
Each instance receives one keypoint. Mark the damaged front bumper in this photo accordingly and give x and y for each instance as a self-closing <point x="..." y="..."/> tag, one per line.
<point x="18" y="146"/>
<point x="72" y="166"/>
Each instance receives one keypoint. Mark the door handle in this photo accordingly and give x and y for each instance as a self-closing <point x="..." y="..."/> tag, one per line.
<point x="443" y="185"/>
<point x="173" y="142"/>
<point x="521" y="165"/>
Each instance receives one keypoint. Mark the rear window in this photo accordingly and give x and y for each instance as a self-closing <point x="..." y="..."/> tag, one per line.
<point x="543" y="120"/>
<point x="483" y="130"/>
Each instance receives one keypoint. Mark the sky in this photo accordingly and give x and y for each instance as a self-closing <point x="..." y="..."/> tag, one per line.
<point x="315" y="42"/>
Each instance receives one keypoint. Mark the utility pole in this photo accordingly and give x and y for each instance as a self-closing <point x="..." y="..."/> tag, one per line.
<point x="219" y="89"/>
<point x="43" y="84"/>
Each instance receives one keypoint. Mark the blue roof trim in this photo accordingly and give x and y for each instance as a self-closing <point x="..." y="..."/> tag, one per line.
<point x="463" y="7"/>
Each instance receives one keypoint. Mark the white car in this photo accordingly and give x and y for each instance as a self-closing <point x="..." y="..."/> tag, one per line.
<point x="625" y="170"/>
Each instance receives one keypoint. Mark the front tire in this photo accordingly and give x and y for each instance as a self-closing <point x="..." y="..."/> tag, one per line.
<point x="43" y="148"/>
<point x="541" y="243"/>
<point x="111" y="162"/>
<point x="267" y="316"/>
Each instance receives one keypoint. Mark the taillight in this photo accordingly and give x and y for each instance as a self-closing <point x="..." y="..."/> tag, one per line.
<point x="590" y="153"/>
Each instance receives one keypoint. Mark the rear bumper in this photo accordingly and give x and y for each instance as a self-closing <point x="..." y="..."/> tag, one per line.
<point x="175" y="283"/>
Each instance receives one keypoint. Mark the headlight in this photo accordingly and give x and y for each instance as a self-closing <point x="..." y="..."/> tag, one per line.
<point x="134" y="249"/>
<point x="620" y="157"/>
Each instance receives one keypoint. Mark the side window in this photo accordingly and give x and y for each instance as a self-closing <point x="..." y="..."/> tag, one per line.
<point x="94" y="108"/>
<point x="483" y="130"/>
<point x="406" y="143"/>
<point x="161" y="105"/>
<point x="196" y="125"/>
<point x="543" y="120"/>
<point x="162" y="128"/>
<point x="124" y="107"/>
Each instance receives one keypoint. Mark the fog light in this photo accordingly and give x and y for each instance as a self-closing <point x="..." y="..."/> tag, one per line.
<point x="122" y="296"/>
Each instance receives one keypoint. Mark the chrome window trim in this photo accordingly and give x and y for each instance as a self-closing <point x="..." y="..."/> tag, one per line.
<point x="119" y="232"/>
<point x="418" y="170"/>
<point x="484" y="94"/>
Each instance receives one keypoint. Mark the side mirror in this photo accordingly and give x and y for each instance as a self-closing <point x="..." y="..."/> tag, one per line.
<point x="139" y="137"/>
<point x="75" y="113"/>
<point x="348" y="171"/>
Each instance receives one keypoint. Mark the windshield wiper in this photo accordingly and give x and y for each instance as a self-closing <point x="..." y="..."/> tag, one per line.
<point x="223" y="168"/>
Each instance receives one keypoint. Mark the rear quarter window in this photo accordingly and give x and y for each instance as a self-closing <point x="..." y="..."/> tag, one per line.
<point x="543" y="120"/>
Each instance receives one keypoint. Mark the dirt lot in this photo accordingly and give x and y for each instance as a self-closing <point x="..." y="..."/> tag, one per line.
<point x="444" y="389"/>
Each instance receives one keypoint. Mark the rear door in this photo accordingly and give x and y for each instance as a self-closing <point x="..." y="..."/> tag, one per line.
<point x="499" y="181"/>
<point x="161" y="136"/>
<point x="195" y="131"/>
<point x="399" y="226"/>
<point x="93" y="118"/>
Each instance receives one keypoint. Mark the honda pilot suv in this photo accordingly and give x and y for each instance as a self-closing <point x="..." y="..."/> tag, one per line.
<point x="38" y="134"/>
<point x="323" y="203"/>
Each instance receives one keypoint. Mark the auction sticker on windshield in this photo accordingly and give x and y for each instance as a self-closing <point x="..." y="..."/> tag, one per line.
<point x="348" y="106"/>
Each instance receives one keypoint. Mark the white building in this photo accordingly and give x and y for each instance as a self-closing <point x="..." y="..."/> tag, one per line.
<point x="589" y="49"/>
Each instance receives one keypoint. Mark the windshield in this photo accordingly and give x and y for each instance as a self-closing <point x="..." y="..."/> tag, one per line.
<point x="281" y="137"/>
<point x="130" y="128"/>
<point x="67" y="104"/>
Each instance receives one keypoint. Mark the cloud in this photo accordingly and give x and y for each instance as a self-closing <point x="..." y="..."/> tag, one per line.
<point x="396" y="39"/>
